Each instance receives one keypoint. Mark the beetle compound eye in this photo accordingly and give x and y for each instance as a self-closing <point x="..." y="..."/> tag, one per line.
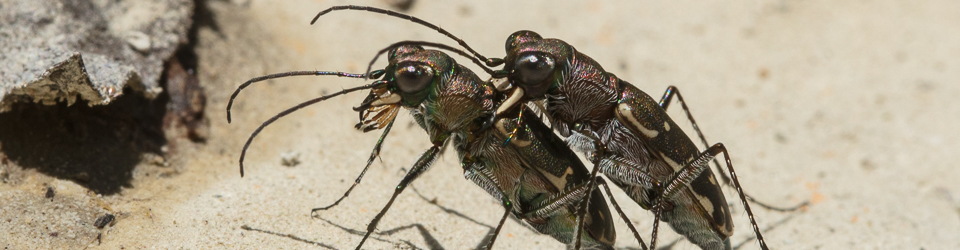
<point x="534" y="68"/>
<point x="521" y="37"/>
<point x="413" y="78"/>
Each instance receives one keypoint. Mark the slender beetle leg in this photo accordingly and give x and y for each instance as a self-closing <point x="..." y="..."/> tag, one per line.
<point x="579" y="193"/>
<point x="693" y="169"/>
<point x="424" y="163"/>
<point x="665" y="103"/>
<point x="373" y="155"/>
<point x="636" y="234"/>
<point x="485" y="180"/>
<point x="585" y="204"/>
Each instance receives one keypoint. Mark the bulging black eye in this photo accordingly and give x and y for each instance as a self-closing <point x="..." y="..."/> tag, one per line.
<point x="534" y="68"/>
<point x="413" y="78"/>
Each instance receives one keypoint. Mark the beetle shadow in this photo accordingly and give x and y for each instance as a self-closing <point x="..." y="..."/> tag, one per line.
<point x="740" y="245"/>
<point x="773" y="226"/>
<point x="492" y="229"/>
<point x="431" y="241"/>
<point x="450" y="210"/>
<point x="486" y="238"/>
<point x="291" y="236"/>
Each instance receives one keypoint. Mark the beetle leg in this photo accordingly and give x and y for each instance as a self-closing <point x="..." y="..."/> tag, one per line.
<point x="623" y="215"/>
<point x="373" y="155"/>
<point x="483" y="178"/>
<point x="693" y="169"/>
<point x="424" y="163"/>
<point x="625" y="171"/>
<point x="665" y="103"/>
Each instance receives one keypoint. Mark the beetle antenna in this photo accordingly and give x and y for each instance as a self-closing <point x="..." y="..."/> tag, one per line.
<point x="374" y="75"/>
<point x="491" y="62"/>
<point x="286" y="112"/>
<point x="429" y="44"/>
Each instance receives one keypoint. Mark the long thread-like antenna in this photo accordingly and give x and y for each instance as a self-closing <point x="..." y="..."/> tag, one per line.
<point x="286" y="112"/>
<point x="490" y="62"/>
<point x="233" y="96"/>
<point x="429" y="44"/>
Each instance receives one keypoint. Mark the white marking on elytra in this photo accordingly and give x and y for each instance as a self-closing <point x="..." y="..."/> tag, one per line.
<point x="674" y="165"/>
<point x="705" y="202"/>
<point x="501" y="127"/>
<point x="666" y="126"/>
<point x="626" y="111"/>
<point x="560" y="182"/>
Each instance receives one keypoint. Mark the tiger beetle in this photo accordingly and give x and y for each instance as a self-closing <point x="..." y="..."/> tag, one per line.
<point x="625" y="132"/>
<point x="535" y="175"/>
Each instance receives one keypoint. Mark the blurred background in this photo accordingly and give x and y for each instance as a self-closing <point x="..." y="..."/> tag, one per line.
<point x="848" y="105"/>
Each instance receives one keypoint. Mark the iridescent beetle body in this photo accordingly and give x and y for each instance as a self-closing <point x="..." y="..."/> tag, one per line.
<point x="528" y="175"/>
<point x="625" y="132"/>
<point x="537" y="177"/>
<point x="647" y="154"/>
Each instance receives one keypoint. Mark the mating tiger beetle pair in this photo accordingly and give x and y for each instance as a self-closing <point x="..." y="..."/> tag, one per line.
<point x="508" y="151"/>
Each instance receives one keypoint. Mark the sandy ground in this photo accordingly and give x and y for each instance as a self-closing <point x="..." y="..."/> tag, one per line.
<point x="846" y="104"/>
